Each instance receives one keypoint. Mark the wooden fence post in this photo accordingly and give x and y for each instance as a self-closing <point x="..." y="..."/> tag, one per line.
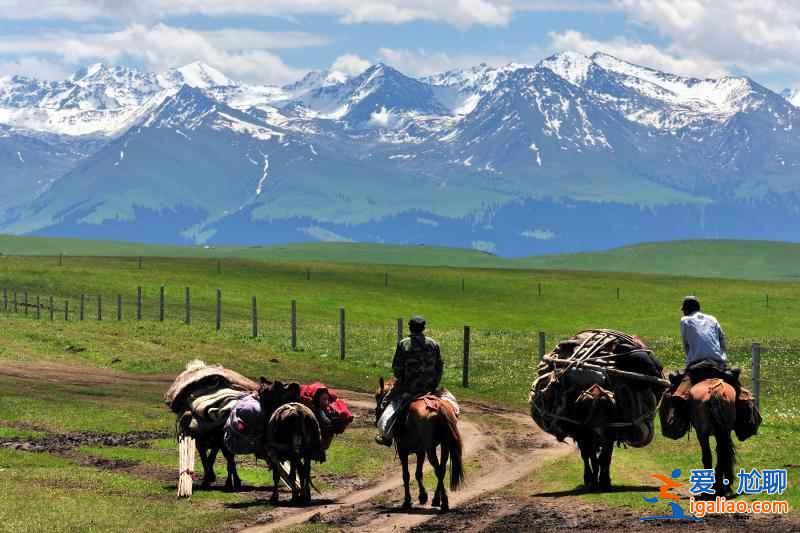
<point x="99" y="307"/>
<point x="25" y="302"/>
<point x="38" y="308"/>
<point x="66" y="310"/>
<point x="5" y="299"/>
<point x="294" y="325"/>
<point x="539" y="288"/>
<point x="161" y="305"/>
<point x="341" y="334"/>
<point x="119" y="307"/>
<point x="465" y="369"/>
<point x="385" y="279"/>
<point x="308" y="274"/>
<point x="188" y="302"/>
<point x="60" y="259"/>
<point x="138" y="303"/>
<point x="52" y="310"/>
<point x="219" y="309"/>
<point x="255" y="318"/>
<point x="80" y="312"/>
<point x="399" y="330"/>
<point x="140" y="262"/>
<point x="755" y="373"/>
<point x="16" y="308"/>
<point x="542" y="340"/>
<point x="767" y="298"/>
<point x="617" y="293"/>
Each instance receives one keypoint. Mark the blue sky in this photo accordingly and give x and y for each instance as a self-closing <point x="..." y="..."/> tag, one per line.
<point x="277" y="41"/>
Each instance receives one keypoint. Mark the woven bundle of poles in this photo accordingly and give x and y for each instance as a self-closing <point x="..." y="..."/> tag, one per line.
<point x="605" y="363"/>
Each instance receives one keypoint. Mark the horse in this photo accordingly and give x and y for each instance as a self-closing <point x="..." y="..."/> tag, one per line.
<point x="422" y="430"/>
<point x="293" y="435"/>
<point x="595" y="408"/>
<point x="271" y="395"/>
<point x="712" y="407"/>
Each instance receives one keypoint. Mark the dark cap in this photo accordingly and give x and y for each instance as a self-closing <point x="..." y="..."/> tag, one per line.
<point x="690" y="304"/>
<point x="416" y="322"/>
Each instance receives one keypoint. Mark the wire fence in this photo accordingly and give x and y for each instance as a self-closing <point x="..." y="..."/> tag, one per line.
<point x="489" y="360"/>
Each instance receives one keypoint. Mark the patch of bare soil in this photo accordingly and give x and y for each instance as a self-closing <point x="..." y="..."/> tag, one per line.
<point x="61" y="442"/>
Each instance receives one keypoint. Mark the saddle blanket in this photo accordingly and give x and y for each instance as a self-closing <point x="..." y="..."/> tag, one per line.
<point x="398" y="405"/>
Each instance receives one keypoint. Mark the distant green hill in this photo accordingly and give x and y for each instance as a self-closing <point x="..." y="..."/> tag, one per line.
<point x="765" y="260"/>
<point x="706" y="258"/>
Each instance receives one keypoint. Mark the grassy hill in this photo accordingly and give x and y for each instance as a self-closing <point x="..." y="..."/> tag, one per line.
<point x="759" y="260"/>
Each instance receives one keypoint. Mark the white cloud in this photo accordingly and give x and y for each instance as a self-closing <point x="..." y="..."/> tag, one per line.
<point x="34" y="67"/>
<point x="322" y="234"/>
<point x="760" y="37"/>
<point x="350" y="64"/>
<point x="668" y="60"/>
<point x="540" y="234"/>
<point x="484" y="246"/>
<point x="160" y="47"/>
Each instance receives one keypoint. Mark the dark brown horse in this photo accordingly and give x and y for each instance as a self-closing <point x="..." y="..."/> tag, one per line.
<point x="270" y="395"/>
<point x="712" y="405"/>
<point x="293" y="436"/>
<point x="421" y="431"/>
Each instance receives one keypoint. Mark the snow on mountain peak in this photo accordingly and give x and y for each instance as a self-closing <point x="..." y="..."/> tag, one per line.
<point x="198" y="74"/>
<point x="571" y="66"/>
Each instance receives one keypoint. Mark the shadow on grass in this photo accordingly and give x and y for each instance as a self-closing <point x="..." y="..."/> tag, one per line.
<point x="282" y="503"/>
<point x="580" y="489"/>
<point x="390" y="509"/>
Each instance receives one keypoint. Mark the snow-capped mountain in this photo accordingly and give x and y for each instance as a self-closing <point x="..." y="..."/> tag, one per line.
<point x="574" y="152"/>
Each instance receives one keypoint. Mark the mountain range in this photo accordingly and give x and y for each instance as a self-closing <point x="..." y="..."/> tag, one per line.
<point x="574" y="153"/>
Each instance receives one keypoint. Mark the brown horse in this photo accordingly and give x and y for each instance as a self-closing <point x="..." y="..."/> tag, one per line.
<point x="712" y="405"/>
<point x="422" y="430"/>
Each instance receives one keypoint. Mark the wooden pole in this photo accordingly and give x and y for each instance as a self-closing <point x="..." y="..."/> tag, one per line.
<point x="38" y="308"/>
<point x="465" y="369"/>
<point x="99" y="307"/>
<point x="255" y="318"/>
<point x="767" y="298"/>
<point x="60" y="259"/>
<point x="119" y="307"/>
<point x="52" y="310"/>
<point x="540" y="288"/>
<point x="542" y="341"/>
<point x="161" y="304"/>
<point x="617" y="293"/>
<point x="341" y="334"/>
<point x="219" y="309"/>
<point x="140" y="262"/>
<point x="66" y="310"/>
<point x="755" y="374"/>
<point x="5" y="299"/>
<point x="82" y="305"/>
<point x="139" y="303"/>
<point x="188" y="299"/>
<point x="385" y="279"/>
<point x="25" y="302"/>
<point x="399" y="330"/>
<point x="634" y="376"/>
<point x="294" y="325"/>
<point x="308" y="274"/>
<point x="16" y="308"/>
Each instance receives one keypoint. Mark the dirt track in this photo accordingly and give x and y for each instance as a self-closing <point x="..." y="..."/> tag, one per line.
<point x="502" y="448"/>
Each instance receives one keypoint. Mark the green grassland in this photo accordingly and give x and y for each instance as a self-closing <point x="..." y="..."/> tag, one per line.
<point x="503" y="307"/>
<point x="758" y="260"/>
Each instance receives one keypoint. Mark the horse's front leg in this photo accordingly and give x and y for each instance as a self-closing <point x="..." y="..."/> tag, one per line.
<point x="586" y="452"/>
<point x="232" y="482"/>
<point x="423" y="494"/>
<point x="606" y="452"/>
<point x="406" y="479"/>
<point x="276" y="480"/>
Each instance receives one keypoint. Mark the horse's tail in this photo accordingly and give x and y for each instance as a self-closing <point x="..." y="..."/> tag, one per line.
<point x="722" y="425"/>
<point x="456" y="447"/>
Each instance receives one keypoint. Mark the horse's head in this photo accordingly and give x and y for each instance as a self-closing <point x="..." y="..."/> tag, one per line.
<point x="383" y="390"/>
<point x="273" y="394"/>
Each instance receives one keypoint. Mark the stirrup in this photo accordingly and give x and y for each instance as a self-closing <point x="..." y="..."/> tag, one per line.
<point x="383" y="439"/>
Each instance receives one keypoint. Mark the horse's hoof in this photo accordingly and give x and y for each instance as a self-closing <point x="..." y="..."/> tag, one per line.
<point x="406" y="505"/>
<point x="274" y="500"/>
<point x="436" y="502"/>
<point x="423" y="498"/>
<point x="444" y="509"/>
